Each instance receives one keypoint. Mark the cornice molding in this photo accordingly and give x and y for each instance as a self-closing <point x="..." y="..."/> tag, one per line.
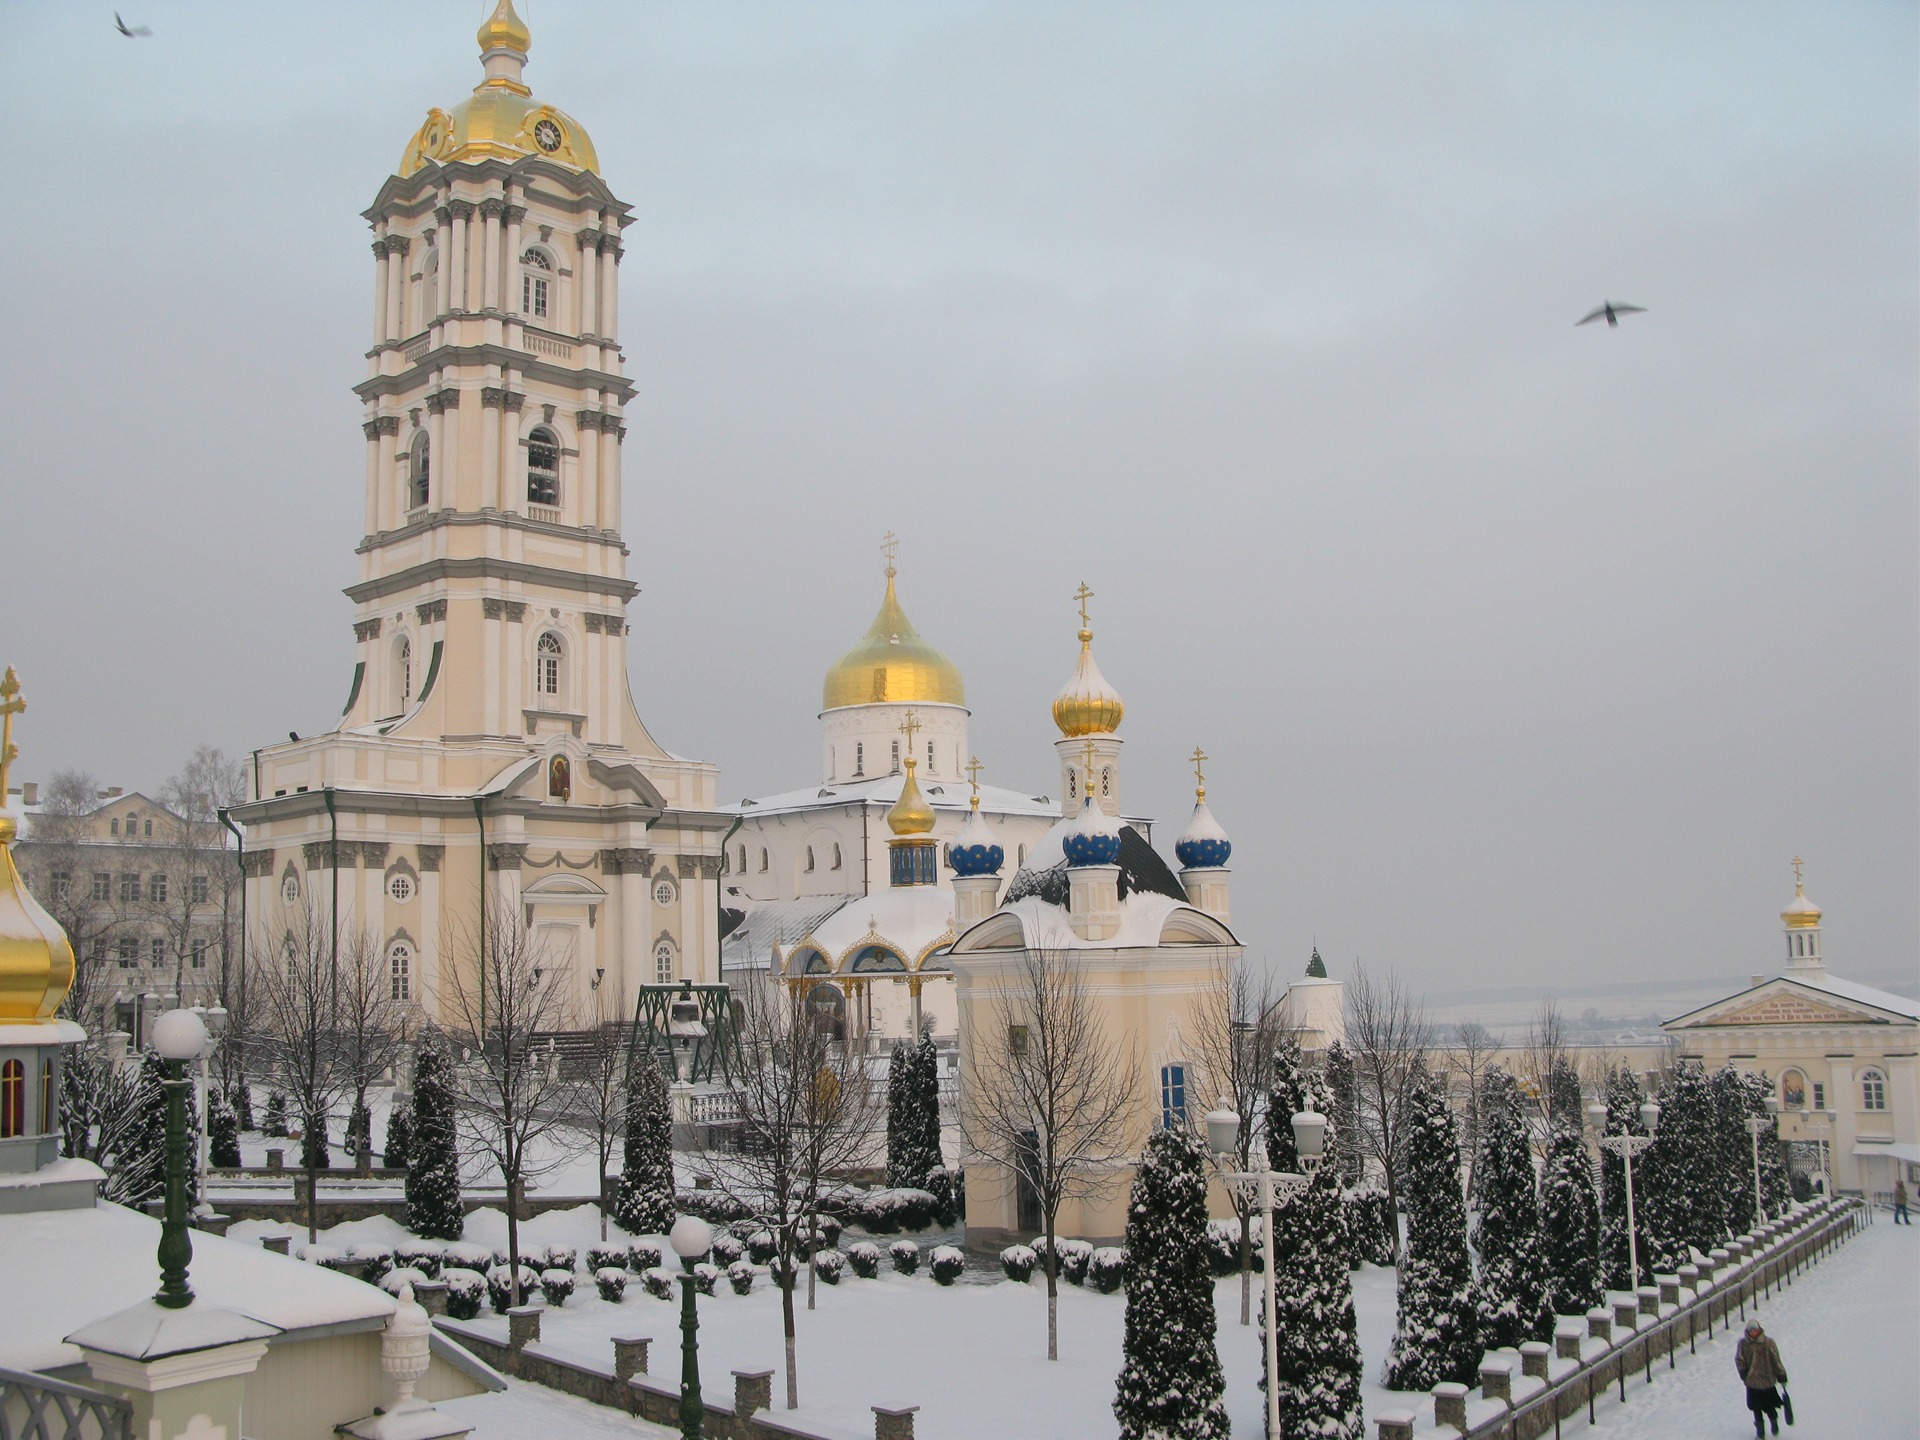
<point x="415" y="577"/>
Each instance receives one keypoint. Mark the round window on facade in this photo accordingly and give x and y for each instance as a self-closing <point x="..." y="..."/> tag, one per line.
<point x="290" y="889"/>
<point x="663" y="892"/>
<point x="400" y="887"/>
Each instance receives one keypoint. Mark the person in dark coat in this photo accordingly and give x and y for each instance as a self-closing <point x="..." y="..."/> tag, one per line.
<point x="1762" y="1371"/>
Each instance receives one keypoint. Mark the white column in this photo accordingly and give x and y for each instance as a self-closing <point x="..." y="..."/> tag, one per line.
<point x="438" y="473"/>
<point x="583" y="280"/>
<point x="490" y="241"/>
<point x="452" y="482"/>
<point x="610" y="291"/>
<point x="510" y="262"/>
<point x="490" y="407"/>
<point x="611" y="430"/>
<point x="380" y="265"/>
<point x="396" y="277"/>
<point x="586" y="479"/>
<point x="456" y="260"/>
<point x="374" y="486"/>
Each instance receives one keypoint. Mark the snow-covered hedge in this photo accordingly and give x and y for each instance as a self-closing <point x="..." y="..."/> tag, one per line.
<point x="727" y="1248"/>
<point x="784" y="1272"/>
<point x="467" y="1256"/>
<point x="706" y="1277"/>
<point x="465" y="1291"/>
<point x="500" y="1287"/>
<point x="905" y="1255"/>
<point x="378" y="1260"/>
<point x="827" y="1228"/>
<point x="949" y="1191"/>
<point x="1075" y="1256"/>
<point x="1107" y="1269"/>
<point x="864" y="1256"/>
<point x="321" y="1254"/>
<point x="659" y="1283"/>
<point x="400" y="1275"/>
<point x="556" y="1284"/>
<point x="1018" y="1261"/>
<point x="611" y="1282"/>
<point x="562" y="1257"/>
<point x="642" y="1257"/>
<point x="426" y="1256"/>
<point x="716" y="1207"/>
<point x="740" y="1276"/>
<point x="605" y="1254"/>
<point x="828" y="1264"/>
<point x="886" y="1212"/>
<point x="947" y="1263"/>
<point x="761" y="1246"/>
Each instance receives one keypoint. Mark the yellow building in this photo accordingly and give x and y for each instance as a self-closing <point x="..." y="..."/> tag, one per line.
<point x="490" y="758"/>
<point x="1844" y="1059"/>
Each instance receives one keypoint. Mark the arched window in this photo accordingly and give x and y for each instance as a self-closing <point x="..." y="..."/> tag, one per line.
<point x="930" y="757"/>
<point x="48" y="1111"/>
<point x="1106" y="783"/>
<point x="543" y="467"/>
<point x="536" y="284"/>
<point x="743" y="859"/>
<point x="809" y="857"/>
<point x="763" y="858"/>
<point x="13" y="1099"/>
<point x="402" y="674"/>
<point x="546" y="665"/>
<point x="1073" y="784"/>
<point x="859" y="757"/>
<point x="1873" y="1090"/>
<point x="836" y="854"/>
<point x="400" y="969"/>
<point x="663" y="963"/>
<point x="419" y="472"/>
<point x="429" y="287"/>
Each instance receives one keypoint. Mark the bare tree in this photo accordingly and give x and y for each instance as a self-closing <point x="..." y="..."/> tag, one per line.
<point x="297" y="975"/>
<point x="801" y="1096"/>
<point x="1547" y="1047"/>
<point x="63" y="872"/>
<point x="503" y="999"/>
<point x="1237" y="1024"/>
<point x="192" y="900"/>
<point x="1469" y="1057"/>
<point x="1048" y="1095"/>
<point x="1388" y="1033"/>
<point x="600" y="1091"/>
<point x="370" y="1033"/>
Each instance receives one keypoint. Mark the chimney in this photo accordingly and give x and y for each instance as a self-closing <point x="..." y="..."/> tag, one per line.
<point x="1754" y="982"/>
<point x="30" y="793"/>
<point x="112" y="792"/>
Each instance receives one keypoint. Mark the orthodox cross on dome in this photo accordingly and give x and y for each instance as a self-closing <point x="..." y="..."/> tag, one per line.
<point x="1088" y="777"/>
<point x="974" y="767"/>
<point x="910" y="727"/>
<point x="1083" y="594"/>
<point x="1797" y="862"/>
<point x="1199" y="759"/>
<point x="890" y="547"/>
<point x="10" y="705"/>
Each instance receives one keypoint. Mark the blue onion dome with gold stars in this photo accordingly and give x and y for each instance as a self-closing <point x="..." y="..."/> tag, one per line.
<point x="975" y="850"/>
<point x="1093" y="838"/>
<point x="1203" y="845"/>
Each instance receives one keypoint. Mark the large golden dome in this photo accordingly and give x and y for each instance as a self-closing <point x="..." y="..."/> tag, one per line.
<point x="892" y="665"/>
<point x="501" y="119"/>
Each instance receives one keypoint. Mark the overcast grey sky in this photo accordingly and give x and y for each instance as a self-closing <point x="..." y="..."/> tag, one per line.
<point x="1525" y="653"/>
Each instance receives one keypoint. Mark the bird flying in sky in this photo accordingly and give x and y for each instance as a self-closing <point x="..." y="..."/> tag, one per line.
<point x="1611" y="313"/>
<point x="135" y="32"/>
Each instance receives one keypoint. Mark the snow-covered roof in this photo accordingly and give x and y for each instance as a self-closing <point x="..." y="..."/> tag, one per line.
<point x="1147" y="919"/>
<point x="1862" y="994"/>
<point x="749" y="945"/>
<point x="908" y="919"/>
<point x="885" y="789"/>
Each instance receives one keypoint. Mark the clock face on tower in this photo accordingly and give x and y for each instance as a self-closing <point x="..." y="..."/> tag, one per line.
<point x="546" y="135"/>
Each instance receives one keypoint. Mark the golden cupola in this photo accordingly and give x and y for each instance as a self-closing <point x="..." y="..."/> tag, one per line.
<point x="501" y="119"/>
<point x="892" y="665"/>
<point x="36" y="960"/>
<point x="1087" y="704"/>
<point x="912" y="857"/>
<point x="1801" y="913"/>
<point x="911" y="814"/>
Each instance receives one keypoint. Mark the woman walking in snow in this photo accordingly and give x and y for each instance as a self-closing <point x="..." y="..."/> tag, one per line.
<point x="1758" y="1360"/>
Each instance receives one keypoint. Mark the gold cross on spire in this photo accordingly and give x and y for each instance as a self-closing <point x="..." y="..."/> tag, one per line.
<point x="890" y="547"/>
<point x="1199" y="758"/>
<point x="974" y="767"/>
<point x="1083" y="594"/>
<point x="10" y="705"/>
<point x="1796" y="859"/>
<point x="910" y="727"/>
<point x="1087" y="773"/>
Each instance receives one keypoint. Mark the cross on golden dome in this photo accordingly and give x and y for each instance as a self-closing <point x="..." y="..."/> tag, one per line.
<point x="974" y="767"/>
<point x="1797" y="862"/>
<point x="890" y="547"/>
<point x="910" y="727"/>
<point x="10" y="705"/>
<point x="1083" y="594"/>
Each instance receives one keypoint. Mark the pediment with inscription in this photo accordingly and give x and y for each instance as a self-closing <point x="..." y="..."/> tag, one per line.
<point x="1789" y="1008"/>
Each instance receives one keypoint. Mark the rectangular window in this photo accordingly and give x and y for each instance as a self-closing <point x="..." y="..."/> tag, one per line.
<point x="1873" y="1091"/>
<point x="129" y="888"/>
<point x="157" y="888"/>
<point x="1017" y="1040"/>
<point x="199" y="890"/>
<point x="533" y="296"/>
<point x="129" y="951"/>
<point x="62" y="885"/>
<point x="113" y="827"/>
<point x="102" y="885"/>
<point x="157" y="953"/>
<point x="1819" y="1095"/>
<point x="149" y="825"/>
<point x="199" y="954"/>
<point x="98" y="954"/>
<point x="1173" y="1096"/>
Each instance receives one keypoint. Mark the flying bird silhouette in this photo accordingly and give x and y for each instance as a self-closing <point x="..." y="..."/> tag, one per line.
<point x="1611" y="313"/>
<point x="136" y="32"/>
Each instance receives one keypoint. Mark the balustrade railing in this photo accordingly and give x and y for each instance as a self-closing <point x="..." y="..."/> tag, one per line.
<point x="37" y="1407"/>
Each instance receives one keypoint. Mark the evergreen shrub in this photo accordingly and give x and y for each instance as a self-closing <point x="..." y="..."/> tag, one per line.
<point x="762" y="1246"/>
<point x="727" y="1248"/>
<point x="643" y="1200"/>
<point x="274" y="1125"/>
<point x="1107" y="1269"/>
<point x="1075" y="1256"/>
<point x="223" y="1134"/>
<point x="426" y="1256"/>
<point x="605" y="1253"/>
<point x="706" y="1277"/>
<point x="465" y="1291"/>
<point x="611" y="1282"/>
<point x="400" y="1275"/>
<point x="500" y="1287"/>
<point x="828" y="1264"/>
<point x="464" y="1255"/>
<point x="905" y="1256"/>
<point x="562" y="1257"/>
<point x="658" y="1283"/>
<point x="946" y="1263"/>
<point x="378" y="1260"/>
<point x="864" y="1256"/>
<point x="1018" y="1262"/>
<point x="399" y="1139"/>
<point x="556" y="1284"/>
<point x="740" y="1276"/>
<point x="643" y="1256"/>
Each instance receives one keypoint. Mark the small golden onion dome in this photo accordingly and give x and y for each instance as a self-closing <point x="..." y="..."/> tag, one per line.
<point x="501" y="119"/>
<point x="892" y="665"/>
<point x="1802" y="913"/>
<point x="911" y="813"/>
<point x="1087" y="704"/>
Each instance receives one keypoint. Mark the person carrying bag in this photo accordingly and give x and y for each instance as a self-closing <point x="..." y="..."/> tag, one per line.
<point x="1764" y="1374"/>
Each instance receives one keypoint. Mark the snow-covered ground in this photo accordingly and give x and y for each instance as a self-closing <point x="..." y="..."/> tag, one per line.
<point x="972" y="1356"/>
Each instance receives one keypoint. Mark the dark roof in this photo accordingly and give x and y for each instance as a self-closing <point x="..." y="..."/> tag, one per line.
<point x="1141" y="870"/>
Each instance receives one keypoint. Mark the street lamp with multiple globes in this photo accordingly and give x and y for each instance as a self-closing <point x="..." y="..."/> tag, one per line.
<point x="1626" y="1147"/>
<point x="1756" y="1127"/>
<point x="178" y="1036"/>
<point x="1266" y="1186"/>
<point x="691" y="1238"/>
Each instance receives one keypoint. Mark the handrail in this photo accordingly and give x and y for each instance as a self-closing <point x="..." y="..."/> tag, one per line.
<point x="60" y="1410"/>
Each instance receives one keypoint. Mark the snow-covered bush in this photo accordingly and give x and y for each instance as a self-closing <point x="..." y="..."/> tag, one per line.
<point x="611" y="1282"/>
<point x="716" y="1207"/>
<point x="501" y="1257"/>
<point x="1107" y="1269"/>
<point x="1223" y="1246"/>
<point x="827" y="1229"/>
<point x="947" y="1263"/>
<point x="761" y="1246"/>
<point x="727" y="1248"/>
<point x="706" y="1277"/>
<point x="500" y="1287"/>
<point x="1370" y="1225"/>
<point x="600" y="1256"/>
<point x="274" y="1126"/>
<point x="828" y="1264"/>
<point x="398" y="1276"/>
<point x="864" y="1256"/>
<point x="784" y="1272"/>
<point x="740" y="1276"/>
<point x="905" y="1256"/>
<point x="1018" y="1261"/>
<point x="321" y="1254"/>
<point x="1075" y="1256"/>
<point x="885" y="1212"/>
<point x="949" y="1191"/>
<point x="468" y="1256"/>
<point x="377" y="1260"/>
<point x="556" y="1284"/>
<point x="642" y="1256"/>
<point x="465" y="1290"/>
<point x="659" y="1283"/>
<point x="562" y="1257"/>
<point x="426" y="1256"/>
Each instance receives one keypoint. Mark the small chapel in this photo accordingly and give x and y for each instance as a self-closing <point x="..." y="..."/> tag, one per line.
<point x="490" y="765"/>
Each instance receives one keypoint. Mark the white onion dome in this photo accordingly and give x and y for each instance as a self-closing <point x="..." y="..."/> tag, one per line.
<point x="1093" y="838"/>
<point x="1203" y="845"/>
<point x="975" y="850"/>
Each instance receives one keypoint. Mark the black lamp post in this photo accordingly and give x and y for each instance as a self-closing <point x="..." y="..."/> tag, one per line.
<point x="691" y="1238"/>
<point x="178" y="1036"/>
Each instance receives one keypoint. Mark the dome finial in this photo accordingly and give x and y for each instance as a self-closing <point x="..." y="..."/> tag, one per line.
<point x="975" y="851"/>
<point x="911" y="814"/>
<point x="974" y="767"/>
<point x="890" y="547"/>
<point x="36" y="959"/>
<point x="1203" y="844"/>
<point x="1802" y="913"/>
<point x="1087" y="704"/>
<point x="504" y="42"/>
<point x="1199" y="759"/>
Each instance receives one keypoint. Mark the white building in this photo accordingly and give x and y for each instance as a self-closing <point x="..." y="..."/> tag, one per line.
<point x="490" y="761"/>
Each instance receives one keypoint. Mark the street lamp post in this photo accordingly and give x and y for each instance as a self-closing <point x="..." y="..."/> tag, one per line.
<point x="215" y="1023"/>
<point x="178" y="1036"/>
<point x="691" y="1237"/>
<point x="1626" y="1147"/>
<point x="1267" y="1186"/>
<point x="1756" y="1127"/>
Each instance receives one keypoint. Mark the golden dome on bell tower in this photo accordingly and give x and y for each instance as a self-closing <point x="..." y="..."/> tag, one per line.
<point x="36" y="959"/>
<point x="1087" y="704"/>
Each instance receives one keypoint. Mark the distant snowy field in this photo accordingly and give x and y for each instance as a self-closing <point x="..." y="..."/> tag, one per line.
<point x="972" y="1356"/>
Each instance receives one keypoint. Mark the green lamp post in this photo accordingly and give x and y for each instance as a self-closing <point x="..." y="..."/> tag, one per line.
<point x="178" y="1036"/>
<point x="691" y="1238"/>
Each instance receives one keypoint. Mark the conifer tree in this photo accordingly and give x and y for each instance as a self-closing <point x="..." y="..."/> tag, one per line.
<point x="223" y="1133"/>
<point x="1775" y="1192"/>
<point x="1510" y="1293"/>
<point x="140" y="1162"/>
<point x="1569" y="1223"/>
<point x="240" y="1096"/>
<point x="926" y="1111"/>
<point x="1681" y="1189"/>
<point x="1623" y="1118"/>
<point x="274" y="1126"/>
<point x="398" y="1152"/>
<point x="900" y="1127"/>
<point x="1437" y="1338"/>
<point x="1319" y="1346"/>
<point x="1286" y="1097"/>
<point x="433" y="1178"/>
<point x="643" y="1202"/>
<point x="1564" y="1104"/>
<point x="1170" y="1382"/>
<point x="1733" y="1147"/>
